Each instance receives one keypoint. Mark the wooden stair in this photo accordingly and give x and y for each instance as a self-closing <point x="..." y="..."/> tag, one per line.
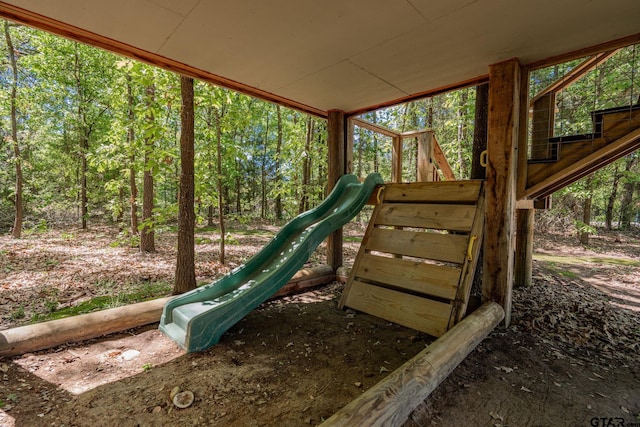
<point x="616" y="134"/>
<point x="418" y="256"/>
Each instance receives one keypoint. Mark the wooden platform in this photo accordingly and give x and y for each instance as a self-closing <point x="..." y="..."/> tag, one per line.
<point x="616" y="134"/>
<point x="418" y="256"/>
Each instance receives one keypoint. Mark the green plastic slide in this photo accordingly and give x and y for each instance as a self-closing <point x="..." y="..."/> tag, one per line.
<point x="197" y="319"/>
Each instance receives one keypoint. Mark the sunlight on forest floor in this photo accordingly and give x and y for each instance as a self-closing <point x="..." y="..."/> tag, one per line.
<point x="609" y="275"/>
<point x="85" y="366"/>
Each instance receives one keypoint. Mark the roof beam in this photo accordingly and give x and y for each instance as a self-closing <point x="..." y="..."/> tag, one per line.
<point x="41" y="22"/>
<point x="575" y="74"/>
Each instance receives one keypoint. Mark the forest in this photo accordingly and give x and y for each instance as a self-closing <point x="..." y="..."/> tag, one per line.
<point x="90" y="165"/>
<point x="91" y="137"/>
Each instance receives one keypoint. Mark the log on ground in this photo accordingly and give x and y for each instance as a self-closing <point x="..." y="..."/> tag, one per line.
<point x="391" y="401"/>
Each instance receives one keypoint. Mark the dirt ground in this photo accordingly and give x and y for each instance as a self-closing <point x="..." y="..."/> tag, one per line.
<point x="570" y="357"/>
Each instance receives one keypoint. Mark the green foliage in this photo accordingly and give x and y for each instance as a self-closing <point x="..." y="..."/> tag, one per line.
<point x="18" y="313"/>
<point x="126" y="239"/>
<point x="76" y="101"/>
<point x="581" y="227"/>
<point x="203" y="240"/>
<point x="142" y="292"/>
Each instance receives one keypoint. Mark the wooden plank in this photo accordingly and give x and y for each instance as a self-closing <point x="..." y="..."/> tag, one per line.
<point x="441" y="160"/>
<point x="404" y="309"/>
<point x="576" y="73"/>
<point x="524" y="204"/>
<point x="374" y="127"/>
<point x="436" y="216"/>
<point x="361" y="251"/>
<point x="463" y="192"/>
<point x="434" y="246"/>
<point x="503" y="123"/>
<point x="425" y="157"/>
<point x="617" y="124"/>
<point x="391" y="401"/>
<point x="571" y="172"/>
<point x="431" y="279"/>
<point x="474" y="245"/>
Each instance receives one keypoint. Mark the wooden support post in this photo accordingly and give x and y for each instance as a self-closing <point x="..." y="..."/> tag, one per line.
<point x="425" y="157"/>
<point x="500" y="191"/>
<point x="391" y="401"/>
<point x="396" y="159"/>
<point x="524" y="247"/>
<point x="337" y="143"/>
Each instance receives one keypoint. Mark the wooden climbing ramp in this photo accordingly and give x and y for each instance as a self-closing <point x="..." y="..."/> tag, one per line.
<point x="418" y="256"/>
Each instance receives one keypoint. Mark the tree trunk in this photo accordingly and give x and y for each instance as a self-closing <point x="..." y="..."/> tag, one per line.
<point x="477" y="171"/>
<point x="84" y="141"/>
<point x="221" y="256"/>
<point x="278" y="172"/>
<point x="238" y="187"/>
<point x="360" y="153"/>
<point x="480" y="130"/>
<point x="306" y="168"/>
<point x="376" y="161"/>
<point x="16" y="232"/>
<point x="210" y="214"/>
<point x="121" y="204"/>
<point x="263" y="172"/>
<point x="131" y="137"/>
<point x="462" y="133"/>
<point x="626" y="205"/>
<point x="586" y="219"/>
<point x="147" y="238"/>
<point x="84" y="147"/>
<point x="211" y="162"/>
<point x="586" y="212"/>
<point x="185" y="263"/>
<point x="612" y="197"/>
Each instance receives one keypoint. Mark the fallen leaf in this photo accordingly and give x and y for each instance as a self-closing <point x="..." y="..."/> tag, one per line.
<point x="496" y="416"/>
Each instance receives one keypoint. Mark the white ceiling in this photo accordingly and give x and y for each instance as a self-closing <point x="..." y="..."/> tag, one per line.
<point x="346" y="54"/>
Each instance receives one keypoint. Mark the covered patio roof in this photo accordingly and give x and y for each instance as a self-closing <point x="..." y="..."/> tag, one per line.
<point x="352" y="55"/>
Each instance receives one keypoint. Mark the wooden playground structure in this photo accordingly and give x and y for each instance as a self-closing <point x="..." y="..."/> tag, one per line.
<point x="420" y="251"/>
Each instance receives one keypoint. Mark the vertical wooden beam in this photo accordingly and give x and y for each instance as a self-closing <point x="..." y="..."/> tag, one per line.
<point x="336" y="142"/>
<point x="500" y="196"/>
<point x="525" y="217"/>
<point x="524" y="247"/>
<point x="425" y="157"/>
<point x="396" y="159"/>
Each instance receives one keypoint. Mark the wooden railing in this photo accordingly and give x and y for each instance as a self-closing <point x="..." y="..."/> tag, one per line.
<point x="432" y="163"/>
